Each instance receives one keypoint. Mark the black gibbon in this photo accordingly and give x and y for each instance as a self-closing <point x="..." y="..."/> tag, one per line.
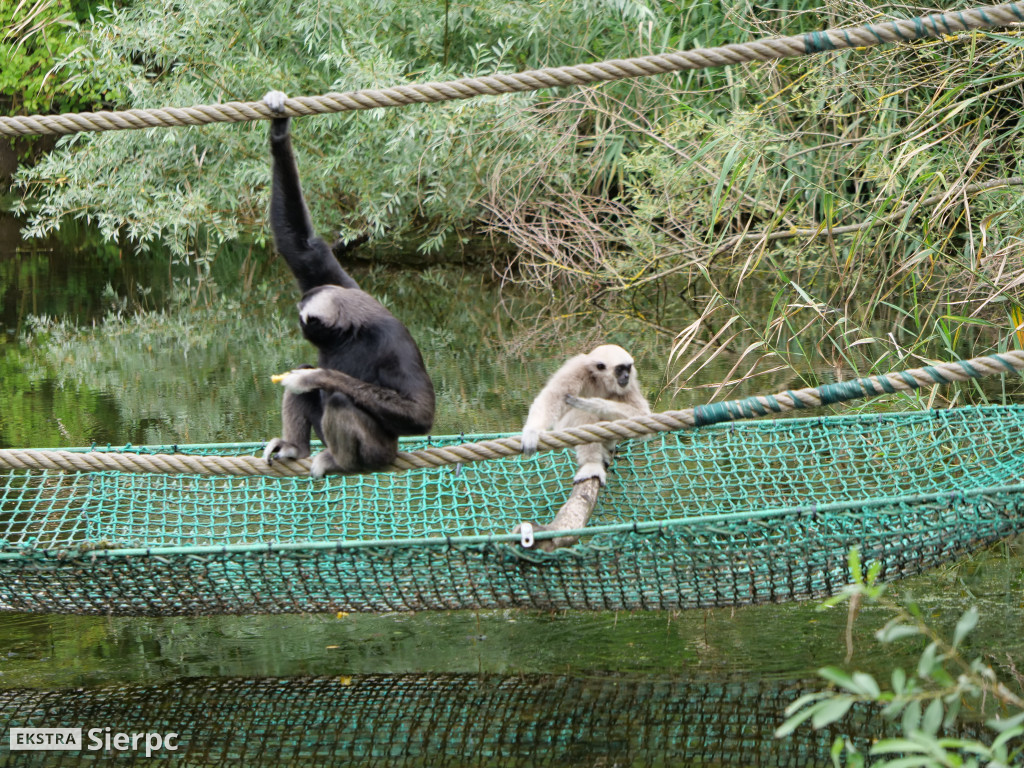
<point x="371" y="385"/>
<point x="600" y="386"/>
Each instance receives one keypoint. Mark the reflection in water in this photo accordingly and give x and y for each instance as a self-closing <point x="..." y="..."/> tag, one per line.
<point x="443" y="720"/>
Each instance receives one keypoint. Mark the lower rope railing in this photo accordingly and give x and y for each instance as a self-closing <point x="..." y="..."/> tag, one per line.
<point x="667" y="421"/>
<point x="896" y="30"/>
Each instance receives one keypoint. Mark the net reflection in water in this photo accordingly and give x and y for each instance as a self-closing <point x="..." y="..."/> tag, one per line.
<point x="442" y="720"/>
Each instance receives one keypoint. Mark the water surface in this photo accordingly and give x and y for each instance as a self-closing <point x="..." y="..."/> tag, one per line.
<point x="98" y="348"/>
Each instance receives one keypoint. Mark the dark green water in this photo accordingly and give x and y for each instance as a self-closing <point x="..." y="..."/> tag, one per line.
<point x="463" y="688"/>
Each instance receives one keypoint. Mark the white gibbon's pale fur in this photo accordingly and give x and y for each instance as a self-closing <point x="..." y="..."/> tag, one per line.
<point x="599" y="386"/>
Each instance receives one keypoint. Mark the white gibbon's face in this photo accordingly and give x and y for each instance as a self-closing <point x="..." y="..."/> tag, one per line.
<point x="611" y="368"/>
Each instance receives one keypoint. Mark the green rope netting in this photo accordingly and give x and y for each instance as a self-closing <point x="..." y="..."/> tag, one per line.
<point x="453" y="720"/>
<point x="723" y="515"/>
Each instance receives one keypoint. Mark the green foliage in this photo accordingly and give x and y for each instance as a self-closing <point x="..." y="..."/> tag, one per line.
<point x="819" y="217"/>
<point x="35" y="35"/>
<point x="847" y="213"/>
<point x="412" y="176"/>
<point x="926" y="702"/>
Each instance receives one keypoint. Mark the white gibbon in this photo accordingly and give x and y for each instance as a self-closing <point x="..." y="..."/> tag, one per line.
<point x="599" y="386"/>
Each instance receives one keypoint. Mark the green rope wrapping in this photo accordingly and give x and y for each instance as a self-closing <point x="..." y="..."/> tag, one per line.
<point x="729" y="514"/>
<point x="899" y="30"/>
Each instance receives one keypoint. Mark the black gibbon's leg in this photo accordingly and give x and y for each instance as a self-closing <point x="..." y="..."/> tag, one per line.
<point x="299" y="414"/>
<point x="406" y="414"/>
<point x="357" y="424"/>
<point x="356" y="441"/>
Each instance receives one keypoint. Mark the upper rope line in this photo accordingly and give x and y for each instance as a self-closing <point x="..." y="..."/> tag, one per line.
<point x="427" y="458"/>
<point x="897" y="30"/>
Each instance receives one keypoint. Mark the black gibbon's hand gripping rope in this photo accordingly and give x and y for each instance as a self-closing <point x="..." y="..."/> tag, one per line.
<point x="897" y="30"/>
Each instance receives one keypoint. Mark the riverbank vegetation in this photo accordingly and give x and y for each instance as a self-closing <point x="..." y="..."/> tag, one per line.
<point x="35" y="35"/>
<point x="847" y="212"/>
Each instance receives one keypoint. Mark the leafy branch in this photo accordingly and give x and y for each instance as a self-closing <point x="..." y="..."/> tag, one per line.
<point x="927" y="701"/>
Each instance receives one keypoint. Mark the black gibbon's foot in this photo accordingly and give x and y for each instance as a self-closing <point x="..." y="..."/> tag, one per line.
<point x="323" y="464"/>
<point x="282" y="449"/>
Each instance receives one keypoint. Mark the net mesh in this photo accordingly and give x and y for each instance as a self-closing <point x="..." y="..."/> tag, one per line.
<point x="729" y="514"/>
<point x="445" y="720"/>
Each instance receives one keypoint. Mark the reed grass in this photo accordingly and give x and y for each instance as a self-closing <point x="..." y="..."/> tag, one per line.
<point x="815" y="218"/>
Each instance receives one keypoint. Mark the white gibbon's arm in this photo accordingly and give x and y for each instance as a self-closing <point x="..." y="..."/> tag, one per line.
<point x="606" y="410"/>
<point x="549" y="405"/>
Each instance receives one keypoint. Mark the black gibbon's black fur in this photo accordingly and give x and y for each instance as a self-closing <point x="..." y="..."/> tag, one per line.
<point x="371" y="385"/>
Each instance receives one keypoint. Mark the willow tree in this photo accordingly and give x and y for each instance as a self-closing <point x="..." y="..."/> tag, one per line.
<point x="411" y="176"/>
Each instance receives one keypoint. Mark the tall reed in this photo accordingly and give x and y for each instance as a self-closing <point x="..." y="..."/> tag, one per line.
<point x="819" y="217"/>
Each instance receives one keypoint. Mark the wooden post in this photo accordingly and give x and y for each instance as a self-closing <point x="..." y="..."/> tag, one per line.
<point x="574" y="514"/>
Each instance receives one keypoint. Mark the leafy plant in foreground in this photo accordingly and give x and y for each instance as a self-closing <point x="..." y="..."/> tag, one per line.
<point x="926" y="701"/>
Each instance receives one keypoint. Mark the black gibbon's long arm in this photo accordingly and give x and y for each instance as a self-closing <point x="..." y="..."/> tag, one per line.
<point x="403" y="415"/>
<point x="309" y="257"/>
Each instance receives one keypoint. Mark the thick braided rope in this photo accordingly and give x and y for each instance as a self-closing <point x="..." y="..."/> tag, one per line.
<point x="897" y="30"/>
<point x="668" y="421"/>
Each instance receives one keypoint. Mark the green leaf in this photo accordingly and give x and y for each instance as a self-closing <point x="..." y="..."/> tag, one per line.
<point x="792" y="723"/>
<point x="893" y="709"/>
<point x="1006" y="736"/>
<point x="942" y="677"/>
<point x="807" y="698"/>
<point x="866" y="684"/>
<point x="890" y="746"/>
<point x="831" y="710"/>
<point x="952" y="710"/>
<point x="837" y="750"/>
<point x="912" y="717"/>
<point x="895" y="630"/>
<point x="923" y="761"/>
<point x="873" y="570"/>
<point x="928" y="660"/>
<point x="839" y="677"/>
<point x="854" y="556"/>
<point x="899" y="680"/>
<point x="964" y="745"/>
<point x="967" y="622"/>
<point x="932" y="717"/>
<point x="1000" y="724"/>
